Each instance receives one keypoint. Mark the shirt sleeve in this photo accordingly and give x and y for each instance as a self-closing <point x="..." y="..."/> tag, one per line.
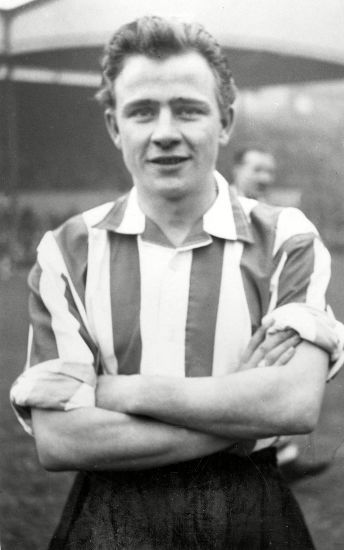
<point x="316" y="326"/>
<point x="60" y="371"/>
<point x="302" y="270"/>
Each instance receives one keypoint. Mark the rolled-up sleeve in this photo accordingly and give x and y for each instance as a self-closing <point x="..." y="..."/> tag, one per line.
<point x="62" y="356"/>
<point x="316" y="326"/>
<point x="302" y="270"/>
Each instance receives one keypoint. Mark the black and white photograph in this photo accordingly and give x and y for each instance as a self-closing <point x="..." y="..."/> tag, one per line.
<point x="171" y="274"/>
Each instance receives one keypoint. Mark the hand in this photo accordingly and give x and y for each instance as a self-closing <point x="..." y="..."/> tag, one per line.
<point x="266" y="349"/>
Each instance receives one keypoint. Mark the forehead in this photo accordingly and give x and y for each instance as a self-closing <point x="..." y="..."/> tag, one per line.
<point x="259" y="158"/>
<point x="181" y="75"/>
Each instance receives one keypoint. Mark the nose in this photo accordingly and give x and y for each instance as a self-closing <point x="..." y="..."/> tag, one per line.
<point x="166" y="132"/>
<point x="266" y="178"/>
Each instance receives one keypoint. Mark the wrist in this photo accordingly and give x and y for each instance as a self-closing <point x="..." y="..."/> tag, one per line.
<point x="103" y="391"/>
<point x="153" y="394"/>
<point x="135" y="394"/>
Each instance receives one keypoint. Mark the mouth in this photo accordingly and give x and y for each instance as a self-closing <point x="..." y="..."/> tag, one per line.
<point x="168" y="160"/>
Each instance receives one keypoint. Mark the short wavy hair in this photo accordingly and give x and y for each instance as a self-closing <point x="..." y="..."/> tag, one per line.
<point x="160" y="38"/>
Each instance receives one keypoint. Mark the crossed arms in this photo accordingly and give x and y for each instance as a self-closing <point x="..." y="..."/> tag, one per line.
<point x="141" y="422"/>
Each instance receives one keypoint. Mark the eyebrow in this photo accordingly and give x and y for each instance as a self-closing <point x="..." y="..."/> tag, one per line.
<point x="139" y="103"/>
<point x="192" y="100"/>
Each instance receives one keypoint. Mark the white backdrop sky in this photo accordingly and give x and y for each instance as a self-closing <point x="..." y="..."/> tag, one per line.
<point x="306" y="27"/>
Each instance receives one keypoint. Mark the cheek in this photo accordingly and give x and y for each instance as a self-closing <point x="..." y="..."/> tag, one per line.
<point x="129" y="144"/>
<point x="209" y="142"/>
<point x="128" y="151"/>
<point x="203" y="138"/>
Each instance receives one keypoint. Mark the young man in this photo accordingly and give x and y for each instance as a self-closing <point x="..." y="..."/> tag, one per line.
<point x="167" y="285"/>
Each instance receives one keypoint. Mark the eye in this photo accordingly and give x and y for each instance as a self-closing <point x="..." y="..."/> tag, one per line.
<point x="142" y="113"/>
<point x="188" y="112"/>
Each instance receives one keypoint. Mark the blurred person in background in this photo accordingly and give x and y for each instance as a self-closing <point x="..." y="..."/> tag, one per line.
<point x="254" y="174"/>
<point x="161" y="366"/>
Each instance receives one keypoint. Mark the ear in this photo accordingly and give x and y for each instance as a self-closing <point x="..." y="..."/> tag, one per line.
<point x="227" y="122"/>
<point x="112" y="128"/>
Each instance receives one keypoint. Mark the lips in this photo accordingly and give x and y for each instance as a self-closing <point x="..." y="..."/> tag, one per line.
<point x="168" y="160"/>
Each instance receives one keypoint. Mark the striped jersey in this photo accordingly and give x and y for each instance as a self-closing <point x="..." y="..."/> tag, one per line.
<point x="110" y="294"/>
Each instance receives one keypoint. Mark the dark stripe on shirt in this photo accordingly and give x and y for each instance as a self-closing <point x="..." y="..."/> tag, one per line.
<point x="125" y="301"/>
<point x="72" y="240"/>
<point x="205" y="283"/>
<point x="114" y="217"/>
<point x="154" y="234"/>
<point x="297" y="271"/>
<point x="75" y="312"/>
<point x="44" y="346"/>
<point x="256" y="261"/>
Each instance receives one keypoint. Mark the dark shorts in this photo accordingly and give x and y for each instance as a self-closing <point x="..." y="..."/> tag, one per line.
<point x="215" y="503"/>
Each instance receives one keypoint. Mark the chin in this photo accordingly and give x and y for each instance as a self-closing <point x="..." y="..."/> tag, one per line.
<point x="173" y="194"/>
<point x="173" y="188"/>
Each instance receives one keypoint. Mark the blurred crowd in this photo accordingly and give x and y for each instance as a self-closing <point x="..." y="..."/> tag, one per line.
<point x="21" y="228"/>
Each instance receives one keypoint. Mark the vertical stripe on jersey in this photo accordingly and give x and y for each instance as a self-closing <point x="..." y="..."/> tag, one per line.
<point x="233" y="327"/>
<point x="53" y="266"/>
<point x="74" y="311"/>
<point x="205" y="281"/>
<point x="72" y="240"/>
<point x="298" y="267"/>
<point x="320" y="278"/>
<point x="125" y="302"/>
<point x="97" y="297"/>
<point x="65" y="328"/>
<point x="43" y="342"/>
<point x="97" y="292"/>
<point x="256" y="262"/>
<point x="280" y="261"/>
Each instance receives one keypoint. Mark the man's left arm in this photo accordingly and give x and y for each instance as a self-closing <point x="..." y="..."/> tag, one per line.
<point x="248" y="404"/>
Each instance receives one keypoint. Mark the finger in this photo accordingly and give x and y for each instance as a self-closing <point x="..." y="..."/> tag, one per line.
<point x="285" y="357"/>
<point x="276" y="338"/>
<point x="272" y="356"/>
<point x="271" y="339"/>
<point x="278" y="353"/>
<point x="267" y="322"/>
<point x="282" y="359"/>
<point x="270" y="346"/>
<point x="255" y="341"/>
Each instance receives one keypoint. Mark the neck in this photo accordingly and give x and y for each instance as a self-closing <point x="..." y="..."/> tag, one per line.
<point x="176" y="217"/>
